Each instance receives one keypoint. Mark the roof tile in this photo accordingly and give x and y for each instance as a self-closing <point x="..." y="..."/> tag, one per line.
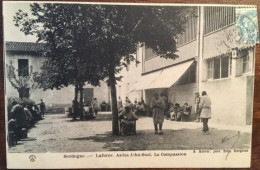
<point x="25" y="46"/>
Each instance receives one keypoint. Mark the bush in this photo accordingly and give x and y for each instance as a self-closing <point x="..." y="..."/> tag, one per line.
<point x="23" y="102"/>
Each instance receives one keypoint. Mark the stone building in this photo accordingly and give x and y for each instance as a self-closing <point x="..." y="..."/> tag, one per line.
<point x="210" y="59"/>
<point x="25" y="55"/>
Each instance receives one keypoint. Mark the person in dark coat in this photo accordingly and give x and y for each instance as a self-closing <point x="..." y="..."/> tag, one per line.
<point x="42" y="108"/>
<point x="17" y="113"/>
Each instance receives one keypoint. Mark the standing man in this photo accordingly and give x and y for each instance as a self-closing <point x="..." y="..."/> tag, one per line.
<point x="42" y="108"/>
<point x="205" y="105"/>
<point x="127" y="101"/>
<point x="165" y="103"/>
<point x="197" y="108"/>
<point x="120" y="103"/>
<point x="94" y="105"/>
<point x="158" y="105"/>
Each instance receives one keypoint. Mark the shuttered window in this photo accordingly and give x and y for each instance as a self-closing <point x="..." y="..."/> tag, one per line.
<point x="190" y="31"/>
<point x="216" y="18"/>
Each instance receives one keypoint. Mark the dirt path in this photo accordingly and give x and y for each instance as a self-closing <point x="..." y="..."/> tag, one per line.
<point x="59" y="134"/>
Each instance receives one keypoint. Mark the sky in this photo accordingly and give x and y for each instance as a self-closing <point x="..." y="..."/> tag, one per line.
<point x="11" y="32"/>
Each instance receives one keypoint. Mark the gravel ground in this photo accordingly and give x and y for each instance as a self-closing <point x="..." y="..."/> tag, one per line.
<point x="57" y="133"/>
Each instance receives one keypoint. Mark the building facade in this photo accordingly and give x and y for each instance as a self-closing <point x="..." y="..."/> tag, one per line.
<point x="210" y="59"/>
<point x="26" y="58"/>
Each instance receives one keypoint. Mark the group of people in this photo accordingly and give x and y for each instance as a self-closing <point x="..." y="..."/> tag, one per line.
<point x="202" y="110"/>
<point x="23" y="117"/>
<point x="177" y="112"/>
<point x="139" y="108"/>
<point x="93" y="110"/>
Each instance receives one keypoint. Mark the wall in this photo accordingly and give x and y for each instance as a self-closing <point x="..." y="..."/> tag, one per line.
<point x="232" y="97"/>
<point x="130" y="79"/>
<point x="102" y="92"/>
<point x="183" y="94"/>
<point x="50" y="97"/>
<point x="249" y="99"/>
<point x="185" y="52"/>
<point x="228" y="97"/>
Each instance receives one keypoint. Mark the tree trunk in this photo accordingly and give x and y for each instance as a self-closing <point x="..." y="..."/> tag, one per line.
<point x="112" y="80"/>
<point x="20" y="91"/>
<point x="81" y="101"/>
<point x="75" y="104"/>
<point x="76" y="93"/>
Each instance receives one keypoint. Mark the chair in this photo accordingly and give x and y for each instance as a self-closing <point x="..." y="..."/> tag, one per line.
<point x="127" y="127"/>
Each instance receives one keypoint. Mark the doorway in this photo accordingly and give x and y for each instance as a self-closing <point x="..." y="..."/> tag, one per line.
<point x="88" y="96"/>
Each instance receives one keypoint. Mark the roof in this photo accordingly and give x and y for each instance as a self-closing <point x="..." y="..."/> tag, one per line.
<point x="24" y="46"/>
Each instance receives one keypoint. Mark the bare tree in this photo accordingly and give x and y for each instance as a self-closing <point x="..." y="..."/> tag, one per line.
<point x="21" y="83"/>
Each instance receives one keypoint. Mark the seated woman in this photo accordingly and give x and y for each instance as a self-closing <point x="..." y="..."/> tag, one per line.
<point x="178" y="112"/>
<point x="186" y="109"/>
<point x="171" y="112"/>
<point x="140" y="109"/>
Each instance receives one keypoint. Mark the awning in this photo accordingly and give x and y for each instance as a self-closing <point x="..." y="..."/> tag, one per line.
<point x="164" y="78"/>
<point x="145" y="81"/>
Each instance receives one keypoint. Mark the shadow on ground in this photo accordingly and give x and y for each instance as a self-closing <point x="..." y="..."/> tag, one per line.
<point x="99" y="117"/>
<point x="182" y="139"/>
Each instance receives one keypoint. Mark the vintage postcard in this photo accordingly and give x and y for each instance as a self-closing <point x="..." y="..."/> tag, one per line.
<point x="128" y="85"/>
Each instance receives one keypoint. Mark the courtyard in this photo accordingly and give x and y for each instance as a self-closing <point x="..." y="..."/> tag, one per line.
<point x="57" y="133"/>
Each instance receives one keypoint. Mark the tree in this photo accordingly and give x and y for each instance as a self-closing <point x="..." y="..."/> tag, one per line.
<point x="95" y="41"/>
<point x="20" y="82"/>
<point x="122" y="28"/>
<point x="68" y="58"/>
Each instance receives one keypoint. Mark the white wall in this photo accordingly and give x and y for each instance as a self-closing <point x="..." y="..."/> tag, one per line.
<point x="129" y="80"/>
<point x="62" y="96"/>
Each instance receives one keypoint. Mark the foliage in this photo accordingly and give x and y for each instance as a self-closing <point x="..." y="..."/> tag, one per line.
<point x="65" y="29"/>
<point x="87" y="43"/>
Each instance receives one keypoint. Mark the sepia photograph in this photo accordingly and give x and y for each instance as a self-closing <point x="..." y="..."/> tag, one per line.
<point x="121" y="85"/>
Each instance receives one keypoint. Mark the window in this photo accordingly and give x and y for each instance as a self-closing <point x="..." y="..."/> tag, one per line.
<point x="149" y="53"/>
<point x="247" y="67"/>
<point x="23" y="67"/>
<point x="218" y="17"/>
<point x="224" y="67"/>
<point x="219" y="67"/>
<point x="230" y="66"/>
<point x="210" y="69"/>
<point x="216" y="66"/>
<point x="189" y="33"/>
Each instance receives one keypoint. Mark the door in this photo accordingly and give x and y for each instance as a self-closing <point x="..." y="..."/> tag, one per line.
<point x="88" y="96"/>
